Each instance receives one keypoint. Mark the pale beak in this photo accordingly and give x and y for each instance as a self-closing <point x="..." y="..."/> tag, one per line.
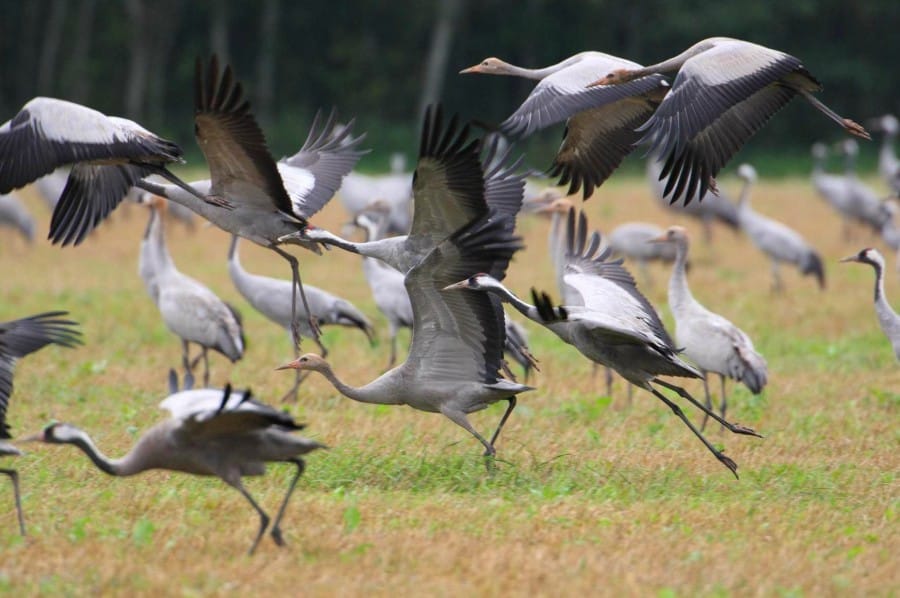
<point x="472" y="69"/>
<point x="462" y="284"/>
<point x="32" y="438"/>
<point x="660" y="239"/>
<point x="850" y="258"/>
<point x="597" y="83"/>
<point x="291" y="365"/>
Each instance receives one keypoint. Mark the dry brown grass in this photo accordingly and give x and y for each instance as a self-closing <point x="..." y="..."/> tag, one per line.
<point x="587" y="499"/>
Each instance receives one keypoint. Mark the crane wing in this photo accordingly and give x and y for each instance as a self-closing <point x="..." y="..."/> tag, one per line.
<point x="719" y="99"/>
<point x="48" y="133"/>
<point x="21" y="337"/>
<point x="329" y="153"/>
<point x="459" y="336"/>
<point x="212" y="412"/>
<point x="448" y="183"/>
<point x="240" y="163"/>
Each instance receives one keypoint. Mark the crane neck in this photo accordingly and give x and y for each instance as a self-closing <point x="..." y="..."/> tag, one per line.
<point x="536" y="74"/>
<point x="369" y="393"/>
<point x="672" y="64"/>
<point x="744" y="199"/>
<point x="526" y="309"/>
<point x="126" y="466"/>
<point x="850" y="164"/>
<point x="879" y="284"/>
<point x="679" y="291"/>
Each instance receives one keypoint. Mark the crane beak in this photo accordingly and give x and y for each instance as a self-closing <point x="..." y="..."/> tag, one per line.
<point x="850" y="258"/>
<point x="660" y="239"/>
<point x="462" y="284"/>
<point x="32" y="437"/>
<point x="291" y="365"/>
<point x="472" y="69"/>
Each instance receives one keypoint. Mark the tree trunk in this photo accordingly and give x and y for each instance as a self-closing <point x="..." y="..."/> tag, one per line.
<point x="265" y="63"/>
<point x="447" y="19"/>
<point x="165" y="22"/>
<point x="47" y="74"/>
<point x="137" y="71"/>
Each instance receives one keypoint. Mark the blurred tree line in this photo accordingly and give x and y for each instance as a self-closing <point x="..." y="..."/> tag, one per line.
<point x="381" y="61"/>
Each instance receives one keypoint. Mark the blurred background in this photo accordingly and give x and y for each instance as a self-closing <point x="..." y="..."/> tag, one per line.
<point x="381" y="62"/>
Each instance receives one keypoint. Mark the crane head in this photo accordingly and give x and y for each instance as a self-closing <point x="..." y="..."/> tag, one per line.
<point x="674" y="234"/>
<point x="866" y="256"/>
<point x="488" y="66"/>
<point x="478" y="282"/>
<point x="307" y="361"/>
<point x="56" y="433"/>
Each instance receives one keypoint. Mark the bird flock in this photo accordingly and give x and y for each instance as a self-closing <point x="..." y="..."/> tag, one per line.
<point x="437" y="245"/>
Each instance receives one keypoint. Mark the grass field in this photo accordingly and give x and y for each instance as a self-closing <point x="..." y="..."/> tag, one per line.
<point x="591" y="495"/>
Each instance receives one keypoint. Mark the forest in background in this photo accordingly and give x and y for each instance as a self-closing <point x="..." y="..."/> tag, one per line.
<point x="381" y="62"/>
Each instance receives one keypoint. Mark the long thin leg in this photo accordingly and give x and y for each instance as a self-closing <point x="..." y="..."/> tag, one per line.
<point x="185" y="358"/>
<point x="509" y="410"/>
<point x="709" y="404"/>
<point x="734" y="428"/>
<point x="298" y="284"/>
<point x="393" y="358"/>
<point x="459" y="418"/>
<point x="263" y="518"/>
<point x="205" y="367"/>
<point x="14" y="476"/>
<point x="777" y="286"/>
<point x="677" y="411"/>
<point x="276" y="526"/>
<point x="609" y="379"/>
<point x="851" y="127"/>
<point x="723" y="404"/>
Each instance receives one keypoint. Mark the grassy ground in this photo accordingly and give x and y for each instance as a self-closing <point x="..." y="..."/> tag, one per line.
<point x="592" y="494"/>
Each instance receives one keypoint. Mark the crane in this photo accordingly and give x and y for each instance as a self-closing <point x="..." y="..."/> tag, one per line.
<point x="19" y="338"/>
<point x="263" y="201"/>
<point x="887" y="317"/>
<point x="600" y="121"/>
<point x="866" y="206"/>
<point x="725" y="91"/>
<point x="272" y="298"/>
<point x="709" y="340"/>
<point x="776" y="240"/>
<point x="832" y="188"/>
<point x="888" y="163"/>
<point x="108" y="155"/>
<point x="189" y="308"/>
<point x="211" y="432"/>
<point x="613" y="324"/>
<point x="457" y="342"/>
<point x="629" y="240"/>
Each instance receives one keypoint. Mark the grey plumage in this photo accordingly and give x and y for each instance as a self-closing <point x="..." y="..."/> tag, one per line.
<point x="189" y="309"/>
<point x="631" y="241"/>
<point x="725" y="91"/>
<point x="613" y="324"/>
<point x="865" y="205"/>
<point x="211" y="433"/>
<point x="709" y="340"/>
<point x="600" y="121"/>
<point x="776" y="240"/>
<point x="888" y="163"/>
<point x="19" y="338"/>
<point x="887" y="317"/>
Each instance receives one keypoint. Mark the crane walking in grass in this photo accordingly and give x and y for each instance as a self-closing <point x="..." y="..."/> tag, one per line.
<point x="19" y="338"/>
<point x="709" y="340"/>
<point x="211" y="432"/>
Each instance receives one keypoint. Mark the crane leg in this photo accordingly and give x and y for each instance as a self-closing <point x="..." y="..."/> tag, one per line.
<point x="263" y="518"/>
<point x="205" y="367"/>
<point x="14" y="477"/>
<point x="723" y="405"/>
<point x="459" y="418"/>
<point x="393" y="358"/>
<point x="734" y="428"/>
<point x="709" y="404"/>
<point x="298" y="284"/>
<point x="509" y="410"/>
<point x="276" y="526"/>
<point x="185" y="358"/>
<point x="777" y="285"/>
<point x="609" y="379"/>
<point x="677" y="411"/>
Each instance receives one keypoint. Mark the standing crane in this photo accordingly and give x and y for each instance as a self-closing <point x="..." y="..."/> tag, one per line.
<point x="888" y="163"/>
<point x="832" y="188"/>
<point x="14" y="215"/>
<point x="866" y="206"/>
<point x="189" y="308"/>
<point x="457" y="343"/>
<point x="725" y="91"/>
<point x="211" y="432"/>
<point x="19" y="338"/>
<point x="612" y="324"/>
<point x="776" y="240"/>
<point x="887" y="317"/>
<point x="709" y="340"/>
<point x="272" y="298"/>
<point x="600" y="122"/>
<point x="630" y="241"/>
<point x="251" y="195"/>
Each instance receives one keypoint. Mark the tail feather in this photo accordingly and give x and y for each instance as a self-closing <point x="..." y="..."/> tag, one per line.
<point x="754" y="372"/>
<point x="813" y="265"/>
